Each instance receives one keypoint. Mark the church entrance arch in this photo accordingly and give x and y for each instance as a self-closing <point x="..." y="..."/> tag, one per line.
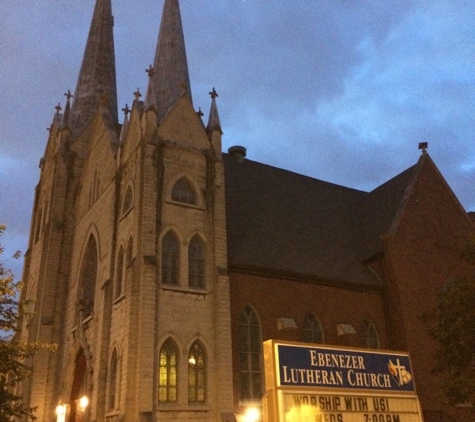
<point x="78" y="401"/>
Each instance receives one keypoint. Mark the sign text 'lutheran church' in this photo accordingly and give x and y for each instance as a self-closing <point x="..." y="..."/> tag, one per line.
<point x="321" y="384"/>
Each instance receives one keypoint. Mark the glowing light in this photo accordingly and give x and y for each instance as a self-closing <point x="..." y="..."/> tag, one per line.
<point x="192" y="361"/>
<point x="61" y="412"/>
<point x="253" y="414"/>
<point x="83" y="403"/>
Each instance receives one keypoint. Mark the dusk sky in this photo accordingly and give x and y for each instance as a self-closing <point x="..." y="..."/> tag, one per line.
<point x="339" y="90"/>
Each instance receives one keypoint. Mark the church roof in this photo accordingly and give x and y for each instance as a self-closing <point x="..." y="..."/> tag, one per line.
<point x="373" y="215"/>
<point x="97" y="77"/>
<point x="286" y="224"/>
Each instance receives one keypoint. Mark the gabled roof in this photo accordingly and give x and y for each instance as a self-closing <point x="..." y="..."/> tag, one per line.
<point x="373" y="215"/>
<point x="284" y="223"/>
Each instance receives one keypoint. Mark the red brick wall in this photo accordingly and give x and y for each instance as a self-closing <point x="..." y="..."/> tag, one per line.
<point x="423" y="252"/>
<point x="274" y="298"/>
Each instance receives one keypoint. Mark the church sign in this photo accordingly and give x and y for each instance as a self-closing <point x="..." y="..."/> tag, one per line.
<point x="306" y="383"/>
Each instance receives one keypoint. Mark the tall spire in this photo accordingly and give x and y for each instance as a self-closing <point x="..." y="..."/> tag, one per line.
<point x="97" y="77"/>
<point x="170" y="79"/>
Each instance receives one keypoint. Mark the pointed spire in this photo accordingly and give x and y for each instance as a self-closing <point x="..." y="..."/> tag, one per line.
<point x="97" y="76"/>
<point x="213" y="120"/>
<point x="170" y="79"/>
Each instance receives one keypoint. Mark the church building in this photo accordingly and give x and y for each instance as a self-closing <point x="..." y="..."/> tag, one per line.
<point x="159" y="264"/>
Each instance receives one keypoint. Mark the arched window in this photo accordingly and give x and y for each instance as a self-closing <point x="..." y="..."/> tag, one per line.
<point x="170" y="259"/>
<point x="196" y="374"/>
<point x="113" y="380"/>
<point x="128" y="202"/>
<point x="312" y="331"/>
<point x="370" y="337"/>
<point x="87" y="281"/>
<point x="168" y="372"/>
<point x="250" y="353"/>
<point x="196" y="263"/>
<point x="119" y="275"/>
<point x="183" y="192"/>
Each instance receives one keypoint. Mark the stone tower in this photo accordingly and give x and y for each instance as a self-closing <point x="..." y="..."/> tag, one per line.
<point x="126" y="269"/>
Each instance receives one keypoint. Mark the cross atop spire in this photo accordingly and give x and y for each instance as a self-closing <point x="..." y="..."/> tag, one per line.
<point x="213" y="120"/>
<point x="423" y="147"/>
<point x="126" y="110"/>
<point x="137" y="94"/>
<point x="170" y="78"/>
<point x="213" y="94"/>
<point x="97" y="76"/>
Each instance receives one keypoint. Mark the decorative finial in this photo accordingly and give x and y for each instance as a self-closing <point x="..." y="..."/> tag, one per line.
<point x="423" y="146"/>
<point x="137" y="94"/>
<point x="126" y="110"/>
<point x="200" y="113"/>
<point x="213" y="94"/>
<point x="68" y="95"/>
<point x="150" y="71"/>
<point x="58" y="108"/>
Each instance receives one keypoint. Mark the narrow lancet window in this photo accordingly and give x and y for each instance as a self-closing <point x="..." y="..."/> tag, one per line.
<point x="196" y="374"/>
<point x="87" y="282"/>
<point x="168" y="373"/>
<point x="250" y="355"/>
<point x="196" y="263"/>
<point x="170" y="259"/>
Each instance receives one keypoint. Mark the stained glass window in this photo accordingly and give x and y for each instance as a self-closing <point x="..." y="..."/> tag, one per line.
<point x="168" y="372"/>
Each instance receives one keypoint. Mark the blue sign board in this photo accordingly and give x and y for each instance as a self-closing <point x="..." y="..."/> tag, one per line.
<point x="306" y="366"/>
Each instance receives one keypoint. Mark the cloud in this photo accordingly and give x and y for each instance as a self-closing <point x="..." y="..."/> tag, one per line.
<point x="341" y="90"/>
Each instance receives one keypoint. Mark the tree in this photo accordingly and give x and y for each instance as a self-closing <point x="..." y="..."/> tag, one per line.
<point x="454" y="329"/>
<point x="13" y="351"/>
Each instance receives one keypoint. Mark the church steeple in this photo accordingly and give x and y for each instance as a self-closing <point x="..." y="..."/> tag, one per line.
<point x="213" y="121"/>
<point x="97" y="77"/>
<point x="170" y="79"/>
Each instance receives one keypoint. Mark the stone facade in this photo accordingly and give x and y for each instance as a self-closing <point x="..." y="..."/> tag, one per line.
<point x="116" y="279"/>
